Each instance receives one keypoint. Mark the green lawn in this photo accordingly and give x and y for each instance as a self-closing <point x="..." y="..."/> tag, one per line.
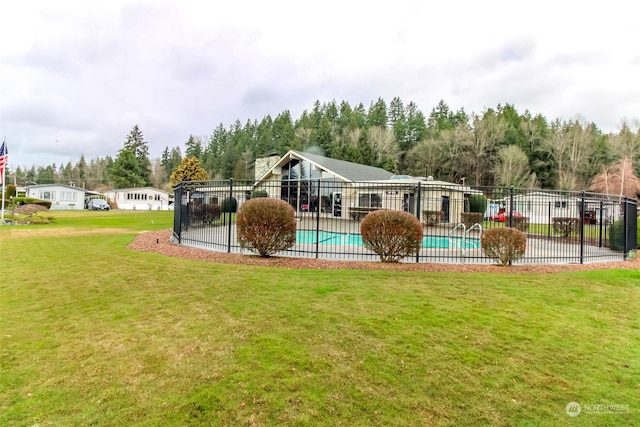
<point x="95" y="334"/>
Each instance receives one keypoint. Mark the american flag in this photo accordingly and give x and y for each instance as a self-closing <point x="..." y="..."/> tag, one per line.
<point x="4" y="157"/>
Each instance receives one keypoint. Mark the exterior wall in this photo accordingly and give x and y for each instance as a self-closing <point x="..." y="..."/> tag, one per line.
<point x="61" y="197"/>
<point x="145" y="199"/>
<point x="541" y="209"/>
<point x="263" y="164"/>
<point x="432" y="199"/>
<point x="216" y="194"/>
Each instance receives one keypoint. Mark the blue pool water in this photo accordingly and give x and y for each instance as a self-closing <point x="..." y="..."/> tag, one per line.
<point x="344" y="239"/>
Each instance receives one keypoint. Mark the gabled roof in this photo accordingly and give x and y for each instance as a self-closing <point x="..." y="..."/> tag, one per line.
<point x="347" y="171"/>
<point x="55" y="185"/>
<point x="137" y="189"/>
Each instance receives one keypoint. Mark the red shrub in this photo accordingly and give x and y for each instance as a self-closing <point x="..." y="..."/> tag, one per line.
<point x="471" y="218"/>
<point x="266" y="226"/>
<point x="504" y="244"/>
<point x="392" y="235"/>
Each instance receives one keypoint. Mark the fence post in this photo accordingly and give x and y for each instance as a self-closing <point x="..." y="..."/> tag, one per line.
<point x="549" y="223"/>
<point x="229" y="226"/>
<point x="419" y="201"/>
<point x="418" y="208"/>
<point x="318" y="207"/>
<point x="177" y="212"/>
<point x="582" y="212"/>
<point x="600" y="224"/>
<point x="625" y="210"/>
<point x="511" y="206"/>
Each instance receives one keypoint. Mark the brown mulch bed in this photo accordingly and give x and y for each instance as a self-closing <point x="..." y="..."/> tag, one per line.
<point x="158" y="242"/>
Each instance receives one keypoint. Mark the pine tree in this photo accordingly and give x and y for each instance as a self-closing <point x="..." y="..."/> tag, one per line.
<point x="125" y="171"/>
<point x="193" y="147"/>
<point x="82" y="167"/>
<point x="377" y="115"/>
<point x="138" y="146"/>
<point x="189" y="170"/>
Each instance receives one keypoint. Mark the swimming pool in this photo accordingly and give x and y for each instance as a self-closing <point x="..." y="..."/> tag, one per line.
<point x="344" y="239"/>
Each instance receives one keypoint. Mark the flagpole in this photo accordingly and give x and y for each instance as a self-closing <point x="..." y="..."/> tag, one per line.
<point x="3" y="171"/>
<point x="3" y="199"/>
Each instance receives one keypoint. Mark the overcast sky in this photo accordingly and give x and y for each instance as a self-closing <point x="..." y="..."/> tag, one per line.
<point x="75" y="76"/>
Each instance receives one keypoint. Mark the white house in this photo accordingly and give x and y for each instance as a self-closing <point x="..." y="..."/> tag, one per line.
<point x="140" y="198"/>
<point x="541" y="207"/>
<point x="61" y="196"/>
<point x="350" y="190"/>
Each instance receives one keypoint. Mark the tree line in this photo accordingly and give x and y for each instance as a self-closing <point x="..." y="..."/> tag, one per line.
<point x="499" y="146"/>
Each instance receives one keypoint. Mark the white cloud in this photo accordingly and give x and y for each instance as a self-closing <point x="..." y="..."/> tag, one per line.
<point x="77" y="76"/>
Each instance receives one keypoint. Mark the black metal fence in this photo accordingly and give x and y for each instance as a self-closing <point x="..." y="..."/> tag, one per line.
<point x="561" y="227"/>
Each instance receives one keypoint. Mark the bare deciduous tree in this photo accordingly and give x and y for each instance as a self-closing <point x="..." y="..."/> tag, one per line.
<point x="384" y="146"/>
<point x="570" y="144"/>
<point x="488" y="132"/>
<point x="513" y="168"/>
<point x="617" y="179"/>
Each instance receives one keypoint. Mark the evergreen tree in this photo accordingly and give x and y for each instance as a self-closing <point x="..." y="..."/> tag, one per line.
<point x="360" y="116"/>
<point x="416" y="128"/>
<point x="377" y="115"/>
<point x="46" y="175"/>
<point x="138" y="146"/>
<point x="82" y="168"/>
<point x="125" y="171"/>
<point x="440" y="118"/>
<point x="189" y="170"/>
<point x="164" y="161"/>
<point x="194" y="147"/>
<point x="398" y="122"/>
<point x="283" y="132"/>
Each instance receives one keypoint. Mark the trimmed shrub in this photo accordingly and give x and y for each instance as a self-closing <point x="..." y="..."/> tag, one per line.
<point x="10" y="191"/>
<point x="28" y="214"/>
<point x="229" y="205"/>
<point x="19" y="201"/>
<point x="477" y="203"/>
<point x="205" y="213"/>
<point x="616" y="235"/>
<point x="266" y="226"/>
<point x="211" y="213"/>
<point x="259" y="193"/>
<point x="392" y="235"/>
<point x="521" y="223"/>
<point x="504" y="244"/>
<point x="565" y="226"/>
<point x="470" y="218"/>
<point x="432" y="218"/>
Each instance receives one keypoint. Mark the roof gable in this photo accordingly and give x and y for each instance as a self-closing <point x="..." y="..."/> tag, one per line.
<point x="138" y="189"/>
<point x="56" y="185"/>
<point x="348" y="170"/>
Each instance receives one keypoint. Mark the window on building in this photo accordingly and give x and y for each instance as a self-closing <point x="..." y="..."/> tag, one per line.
<point x="47" y="195"/>
<point x="370" y="200"/>
<point x="560" y="205"/>
<point x="68" y="196"/>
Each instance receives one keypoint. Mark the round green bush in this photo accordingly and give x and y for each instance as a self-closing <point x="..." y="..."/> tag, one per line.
<point x="393" y="235"/>
<point x="259" y="193"/>
<point x="616" y="234"/>
<point x="266" y="226"/>
<point x="477" y="203"/>
<point x="229" y="205"/>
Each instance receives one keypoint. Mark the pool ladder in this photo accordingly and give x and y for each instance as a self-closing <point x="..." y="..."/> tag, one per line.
<point x="465" y="233"/>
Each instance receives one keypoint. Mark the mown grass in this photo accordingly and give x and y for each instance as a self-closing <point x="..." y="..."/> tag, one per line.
<point x="95" y="334"/>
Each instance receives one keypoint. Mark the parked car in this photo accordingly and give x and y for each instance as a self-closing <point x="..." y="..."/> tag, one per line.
<point x="504" y="216"/>
<point x="98" y="205"/>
